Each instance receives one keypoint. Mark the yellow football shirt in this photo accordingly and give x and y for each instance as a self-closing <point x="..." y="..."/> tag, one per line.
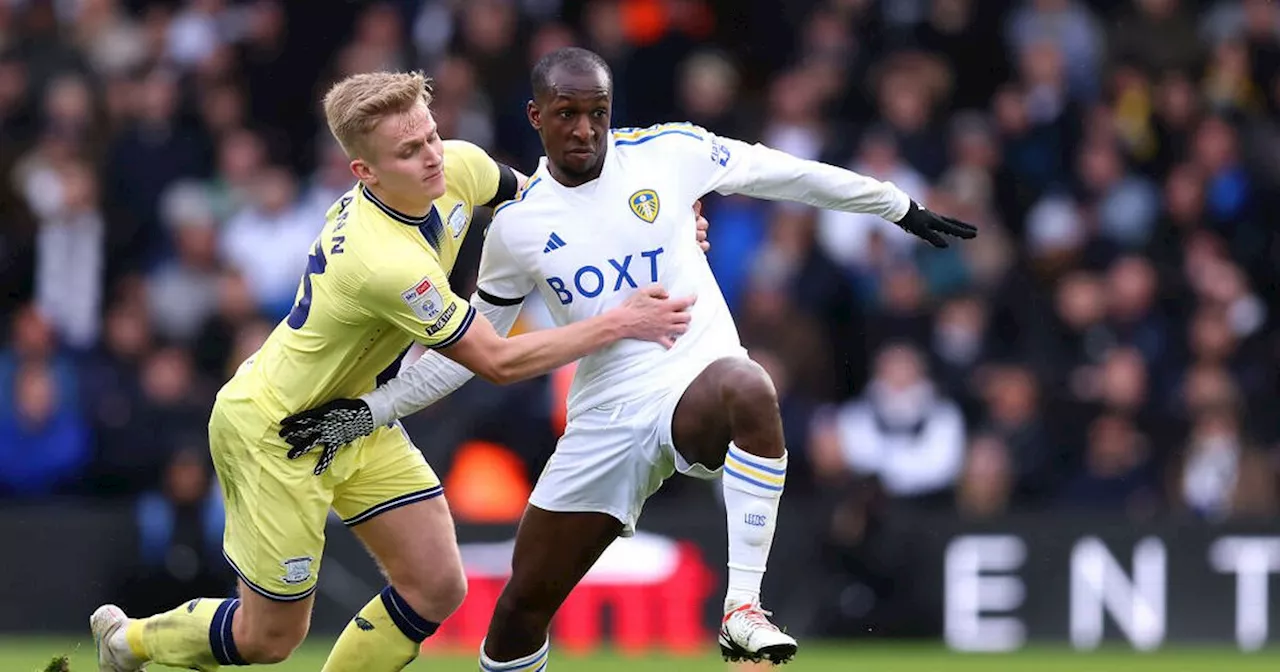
<point x="376" y="280"/>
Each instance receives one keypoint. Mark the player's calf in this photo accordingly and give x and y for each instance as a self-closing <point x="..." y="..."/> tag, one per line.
<point x="554" y="550"/>
<point x="520" y="622"/>
<point x="266" y="638"/>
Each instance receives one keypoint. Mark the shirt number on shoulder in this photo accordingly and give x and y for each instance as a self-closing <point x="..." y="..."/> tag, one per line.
<point x="316" y="263"/>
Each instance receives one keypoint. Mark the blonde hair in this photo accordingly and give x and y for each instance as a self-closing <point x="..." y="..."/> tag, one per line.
<point x="354" y="106"/>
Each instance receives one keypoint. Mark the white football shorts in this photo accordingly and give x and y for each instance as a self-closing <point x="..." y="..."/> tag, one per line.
<point x="615" y="456"/>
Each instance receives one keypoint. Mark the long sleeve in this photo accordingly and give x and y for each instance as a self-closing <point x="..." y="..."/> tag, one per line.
<point x="434" y="376"/>
<point x="730" y="166"/>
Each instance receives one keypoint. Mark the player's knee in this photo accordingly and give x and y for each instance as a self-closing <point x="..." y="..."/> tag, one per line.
<point x="434" y="594"/>
<point x="271" y="644"/>
<point x="448" y="591"/>
<point x="748" y="390"/>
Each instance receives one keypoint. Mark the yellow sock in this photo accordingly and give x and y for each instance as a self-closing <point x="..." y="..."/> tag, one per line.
<point x="384" y="637"/>
<point x="195" y="635"/>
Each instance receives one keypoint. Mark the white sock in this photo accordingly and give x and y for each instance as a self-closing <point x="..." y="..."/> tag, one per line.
<point x="534" y="662"/>
<point x="752" y="488"/>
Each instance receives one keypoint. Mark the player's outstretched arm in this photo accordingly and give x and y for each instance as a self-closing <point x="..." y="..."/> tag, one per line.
<point x="648" y="315"/>
<point x="755" y="170"/>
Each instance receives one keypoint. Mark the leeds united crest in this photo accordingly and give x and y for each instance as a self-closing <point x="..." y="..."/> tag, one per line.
<point x="644" y="204"/>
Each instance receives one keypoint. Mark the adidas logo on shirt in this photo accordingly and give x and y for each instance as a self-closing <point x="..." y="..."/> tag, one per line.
<point x="553" y="243"/>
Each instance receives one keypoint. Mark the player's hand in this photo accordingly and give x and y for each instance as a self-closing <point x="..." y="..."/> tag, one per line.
<point x="931" y="226"/>
<point x="652" y="315"/>
<point x="330" y="426"/>
<point x="701" y="225"/>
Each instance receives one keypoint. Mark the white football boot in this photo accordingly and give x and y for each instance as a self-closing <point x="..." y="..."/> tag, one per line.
<point x="746" y="634"/>
<point x="108" y="626"/>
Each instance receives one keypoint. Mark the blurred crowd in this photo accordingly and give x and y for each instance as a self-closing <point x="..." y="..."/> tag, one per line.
<point x="1106" y="343"/>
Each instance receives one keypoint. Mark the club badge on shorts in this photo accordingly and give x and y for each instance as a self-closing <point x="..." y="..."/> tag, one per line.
<point x="644" y="204"/>
<point x="296" y="570"/>
<point x="423" y="299"/>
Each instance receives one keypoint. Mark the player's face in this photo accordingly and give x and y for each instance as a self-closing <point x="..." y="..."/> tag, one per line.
<point x="406" y="158"/>
<point x="573" y="121"/>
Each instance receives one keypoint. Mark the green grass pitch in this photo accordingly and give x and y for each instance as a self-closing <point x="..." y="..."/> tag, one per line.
<point x="33" y="654"/>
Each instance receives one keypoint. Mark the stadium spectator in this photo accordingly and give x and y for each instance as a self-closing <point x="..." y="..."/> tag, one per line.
<point x="267" y="242"/>
<point x="902" y="433"/>
<point x="1118" y="472"/>
<point x="44" y="444"/>
<point x="70" y="251"/>
<point x="987" y="482"/>
<point x="183" y="291"/>
<point x="1220" y="473"/>
<point x="1013" y="416"/>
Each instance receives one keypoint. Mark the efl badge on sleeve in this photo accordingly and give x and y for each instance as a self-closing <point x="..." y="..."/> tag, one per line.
<point x="423" y="299"/>
<point x="645" y="204"/>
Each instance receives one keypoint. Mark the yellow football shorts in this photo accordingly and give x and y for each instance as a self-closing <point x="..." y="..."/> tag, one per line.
<point x="276" y="508"/>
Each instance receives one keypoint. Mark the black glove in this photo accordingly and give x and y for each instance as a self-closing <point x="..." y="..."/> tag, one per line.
<point x="928" y="225"/>
<point x="331" y="426"/>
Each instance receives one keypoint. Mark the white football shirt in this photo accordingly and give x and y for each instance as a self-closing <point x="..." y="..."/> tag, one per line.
<point x="587" y="248"/>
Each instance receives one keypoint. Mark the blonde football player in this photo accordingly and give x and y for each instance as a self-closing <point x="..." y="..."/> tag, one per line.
<point x="376" y="281"/>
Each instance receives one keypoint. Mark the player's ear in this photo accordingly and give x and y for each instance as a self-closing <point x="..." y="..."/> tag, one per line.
<point x="534" y="114"/>
<point x="363" y="171"/>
